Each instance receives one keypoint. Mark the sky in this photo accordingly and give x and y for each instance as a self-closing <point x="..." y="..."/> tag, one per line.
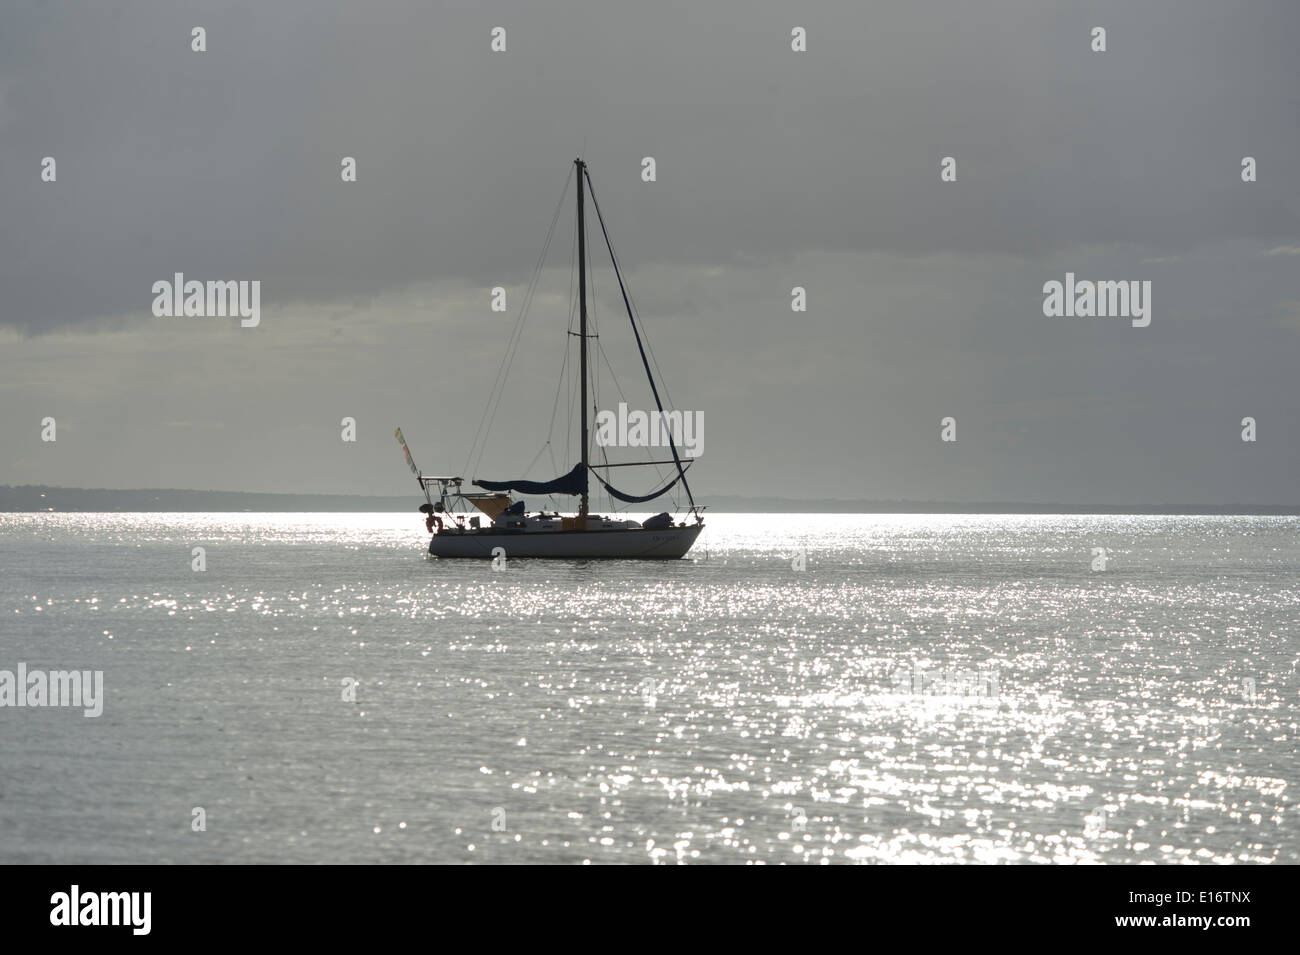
<point x="774" y="168"/>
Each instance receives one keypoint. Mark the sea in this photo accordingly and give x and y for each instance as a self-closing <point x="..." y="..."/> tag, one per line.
<point x="803" y="689"/>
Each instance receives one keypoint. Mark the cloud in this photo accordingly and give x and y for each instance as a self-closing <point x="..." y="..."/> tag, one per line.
<point x="225" y="164"/>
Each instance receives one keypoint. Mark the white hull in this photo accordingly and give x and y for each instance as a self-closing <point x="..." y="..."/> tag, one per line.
<point x="669" y="543"/>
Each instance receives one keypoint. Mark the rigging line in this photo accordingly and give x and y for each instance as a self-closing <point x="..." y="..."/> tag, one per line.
<point x="595" y="374"/>
<point x="653" y="358"/>
<point x="648" y="347"/>
<point x="591" y="330"/>
<point x="529" y="296"/>
<point x="630" y="302"/>
<point x="529" y="469"/>
<point x="570" y="403"/>
<point x="564" y="369"/>
<point x="555" y="403"/>
<point x="614" y="376"/>
<point x="573" y="398"/>
<point x="491" y="394"/>
<point x="672" y="443"/>
<point x="605" y="458"/>
<point x="600" y="348"/>
<point x="513" y="342"/>
<point x="498" y="386"/>
<point x="570" y="386"/>
<point x="498" y="381"/>
<point x="594" y="329"/>
<point x="564" y="362"/>
<point x="570" y="398"/>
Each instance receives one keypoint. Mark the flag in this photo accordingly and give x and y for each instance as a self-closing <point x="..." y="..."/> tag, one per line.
<point x="407" y="451"/>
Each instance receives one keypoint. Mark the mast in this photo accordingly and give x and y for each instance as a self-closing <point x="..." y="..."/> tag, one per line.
<point x="582" y="332"/>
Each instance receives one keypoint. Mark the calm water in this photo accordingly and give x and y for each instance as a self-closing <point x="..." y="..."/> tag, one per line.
<point x="928" y="689"/>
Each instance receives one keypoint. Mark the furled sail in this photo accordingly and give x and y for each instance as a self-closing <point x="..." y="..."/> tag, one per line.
<point x="634" y="499"/>
<point x="575" y="482"/>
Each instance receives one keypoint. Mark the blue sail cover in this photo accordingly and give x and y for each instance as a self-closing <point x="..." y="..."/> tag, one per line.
<point x="575" y="482"/>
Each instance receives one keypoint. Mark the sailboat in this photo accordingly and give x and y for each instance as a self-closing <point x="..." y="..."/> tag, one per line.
<point x="502" y="528"/>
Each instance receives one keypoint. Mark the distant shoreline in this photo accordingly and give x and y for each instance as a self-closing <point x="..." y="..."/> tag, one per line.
<point x="43" y="498"/>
